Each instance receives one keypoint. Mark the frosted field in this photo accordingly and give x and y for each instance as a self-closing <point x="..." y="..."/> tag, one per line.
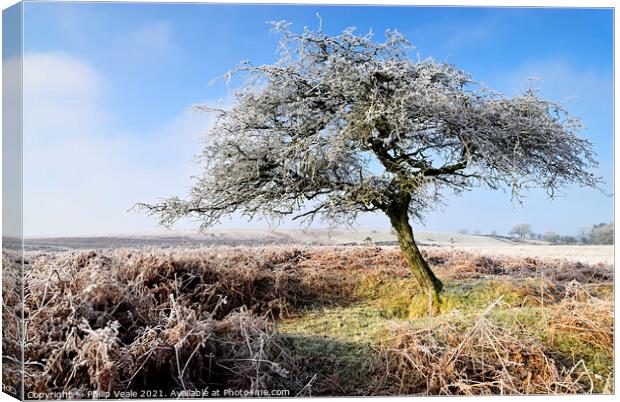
<point x="484" y="245"/>
<point x="584" y="254"/>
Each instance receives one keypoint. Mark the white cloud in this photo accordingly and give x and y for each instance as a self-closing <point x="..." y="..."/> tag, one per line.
<point x="61" y="76"/>
<point x="62" y="96"/>
<point x="80" y="177"/>
<point x="11" y="157"/>
<point x="154" y="36"/>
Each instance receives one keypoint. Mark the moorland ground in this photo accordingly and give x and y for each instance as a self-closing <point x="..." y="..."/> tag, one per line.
<point x="314" y="320"/>
<point x="480" y="244"/>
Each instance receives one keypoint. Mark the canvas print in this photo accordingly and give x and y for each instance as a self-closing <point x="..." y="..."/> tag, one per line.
<point x="251" y="200"/>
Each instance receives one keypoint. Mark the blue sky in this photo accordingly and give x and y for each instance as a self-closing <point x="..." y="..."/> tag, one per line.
<point x="108" y="89"/>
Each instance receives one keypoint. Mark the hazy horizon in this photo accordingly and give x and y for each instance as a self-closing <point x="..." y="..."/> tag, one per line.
<point x="232" y="230"/>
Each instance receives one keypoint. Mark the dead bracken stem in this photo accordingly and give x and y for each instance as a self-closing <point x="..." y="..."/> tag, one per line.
<point x="179" y="319"/>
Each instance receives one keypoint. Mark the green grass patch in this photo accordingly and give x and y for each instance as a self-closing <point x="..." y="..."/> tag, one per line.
<point x="332" y="366"/>
<point x="340" y="343"/>
<point x="337" y="344"/>
<point x="402" y="297"/>
<point x="350" y="323"/>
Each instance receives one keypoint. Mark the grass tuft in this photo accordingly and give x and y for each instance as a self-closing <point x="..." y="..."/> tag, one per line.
<point x="315" y="321"/>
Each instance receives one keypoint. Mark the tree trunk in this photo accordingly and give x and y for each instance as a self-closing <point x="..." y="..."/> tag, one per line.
<point x="431" y="285"/>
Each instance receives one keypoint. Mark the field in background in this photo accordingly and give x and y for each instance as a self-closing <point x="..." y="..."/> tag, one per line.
<point x="587" y="254"/>
<point x="480" y="244"/>
<point x="314" y="320"/>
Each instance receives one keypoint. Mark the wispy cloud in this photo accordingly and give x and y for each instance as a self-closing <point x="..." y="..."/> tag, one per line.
<point x="11" y="127"/>
<point x="558" y="78"/>
<point x="449" y="36"/>
<point x="80" y="175"/>
<point x="470" y="35"/>
<point x="62" y="95"/>
<point x="154" y="36"/>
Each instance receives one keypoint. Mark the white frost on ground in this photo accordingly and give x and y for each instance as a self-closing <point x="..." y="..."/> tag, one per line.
<point x="484" y="245"/>
<point x="585" y="254"/>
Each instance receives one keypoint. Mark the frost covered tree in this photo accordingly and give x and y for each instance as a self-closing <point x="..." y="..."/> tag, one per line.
<point x="602" y="233"/>
<point x="521" y="230"/>
<point x="551" y="237"/>
<point x="342" y="125"/>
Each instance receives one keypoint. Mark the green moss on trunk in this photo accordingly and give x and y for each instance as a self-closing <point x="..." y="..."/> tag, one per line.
<point x="430" y="284"/>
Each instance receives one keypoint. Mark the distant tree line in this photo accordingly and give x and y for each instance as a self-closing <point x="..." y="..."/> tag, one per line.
<point x="601" y="233"/>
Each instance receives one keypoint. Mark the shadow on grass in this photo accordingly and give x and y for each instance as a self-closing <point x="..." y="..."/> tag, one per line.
<point x="327" y="366"/>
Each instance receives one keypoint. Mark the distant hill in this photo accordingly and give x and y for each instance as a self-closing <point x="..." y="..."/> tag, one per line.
<point x="243" y="237"/>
